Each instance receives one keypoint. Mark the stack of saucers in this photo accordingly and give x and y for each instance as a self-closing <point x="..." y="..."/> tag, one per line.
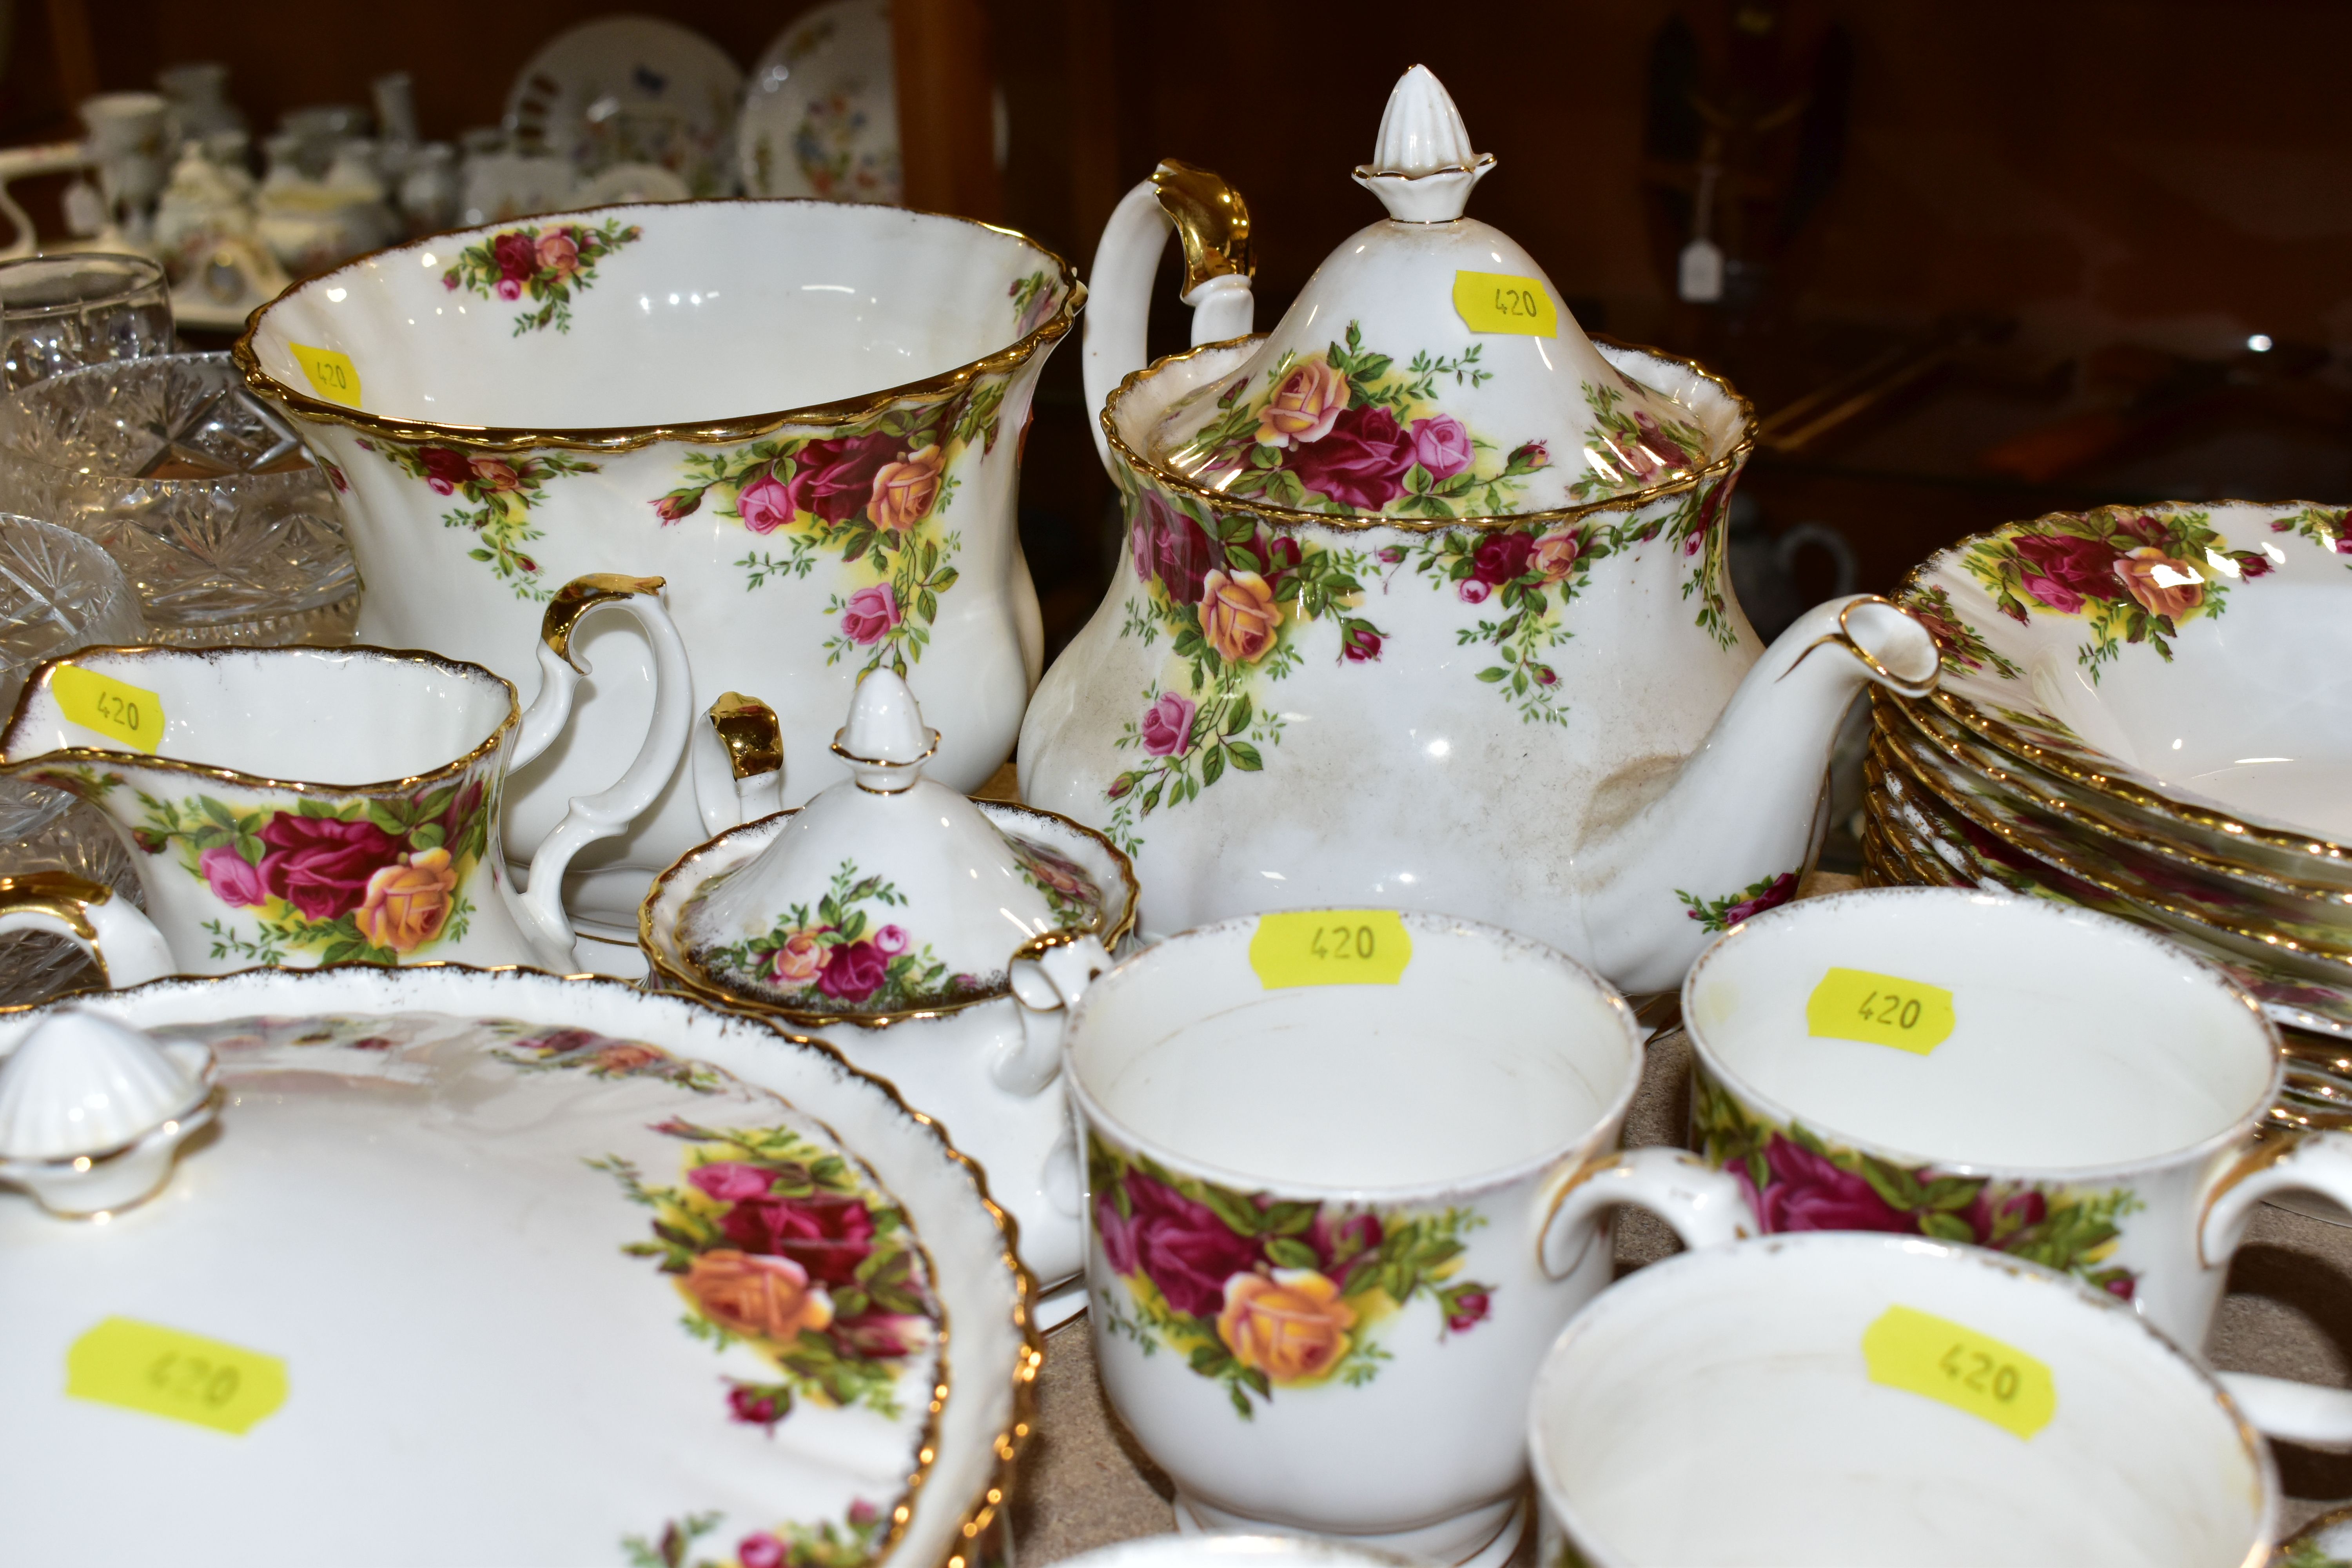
<point x="2145" y="710"/>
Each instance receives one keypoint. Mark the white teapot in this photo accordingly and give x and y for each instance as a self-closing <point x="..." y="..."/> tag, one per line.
<point x="1424" y="604"/>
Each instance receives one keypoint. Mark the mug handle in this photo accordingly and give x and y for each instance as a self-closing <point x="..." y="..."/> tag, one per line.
<point x="122" y="943"/>
<point x="1702" y="1204"/>
<point x="1048" y="974"/>
<point x="2317" y="1161"/>
<point x="590" y="817"/>
<point x="738" y="762"/>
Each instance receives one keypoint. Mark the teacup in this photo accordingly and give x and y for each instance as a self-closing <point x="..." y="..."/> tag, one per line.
<point x="193" y="756"/>
<point x="1325" y="1151"/>
<point x="1847" y="1399"/>
<point x="2050" y="1083"/>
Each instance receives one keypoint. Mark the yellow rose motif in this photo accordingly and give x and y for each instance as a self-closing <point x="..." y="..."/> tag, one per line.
<point x="905" y="491"/>
<point x="1304" y="406"/>
<point x="747" y="1293"/>
<point x="1291" y="1327"/>
<point x="494" y="474"/>
<point x="796" y="962"/>
<point x="1554" y="554"/>
<point x="408" y="900"/>
<point x="1239" y="616"/>
<point x="2163" y="585"/>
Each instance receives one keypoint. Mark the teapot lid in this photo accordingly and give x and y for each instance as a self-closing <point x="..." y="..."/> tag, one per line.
<point x="886" y="893"/>
<point x="1428" y="369"/>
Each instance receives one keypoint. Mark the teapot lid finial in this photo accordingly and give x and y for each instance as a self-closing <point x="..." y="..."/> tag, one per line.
<point x="1423" y="166"/>
<point x="885" y="742"/>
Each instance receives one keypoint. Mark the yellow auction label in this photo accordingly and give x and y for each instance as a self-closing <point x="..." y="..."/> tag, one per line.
<point x="1498" y="302"/>
<point x="1330" y="947"/>
<point x="144" y="1367"/>
<point x="1923" y="1353"/>
<point x="332" y="375"/>
<point x="115" y="708"/>
<point x="1879" y="1010"/>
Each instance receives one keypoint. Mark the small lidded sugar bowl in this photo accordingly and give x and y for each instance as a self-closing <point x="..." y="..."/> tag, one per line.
<point x="932" y="940"/>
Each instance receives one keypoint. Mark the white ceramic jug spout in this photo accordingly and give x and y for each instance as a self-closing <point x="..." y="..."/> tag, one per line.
<point x="1706" y="833"/>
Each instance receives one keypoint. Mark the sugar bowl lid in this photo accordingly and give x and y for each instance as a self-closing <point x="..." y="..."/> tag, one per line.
<point x="886" y="893"/>
<point x="1428" y="369"/>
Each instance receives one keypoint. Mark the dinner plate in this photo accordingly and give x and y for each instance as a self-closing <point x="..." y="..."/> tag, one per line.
<point x="631" y="89"/>
<point x="540" y="1270"/>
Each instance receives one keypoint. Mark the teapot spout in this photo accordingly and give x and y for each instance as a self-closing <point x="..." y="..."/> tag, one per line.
<point x="1729" y="834"/>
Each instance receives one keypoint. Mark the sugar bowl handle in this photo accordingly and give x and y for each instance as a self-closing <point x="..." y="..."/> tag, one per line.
<point x="126" y="946"/>
<point x="1047" y="975"/>
<point x="590" y="817"/>
<point x="1212" y="222"/>
<point x="1702" y="1204"/>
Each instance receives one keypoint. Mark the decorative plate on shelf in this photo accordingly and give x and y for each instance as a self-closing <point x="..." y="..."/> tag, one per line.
<point x="820" y="113"/>
<point x="631" y="89"/>
<point x="489" y="1265"/>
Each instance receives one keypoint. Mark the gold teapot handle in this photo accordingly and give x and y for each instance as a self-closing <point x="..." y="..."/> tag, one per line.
<point x="1212" y="223"/>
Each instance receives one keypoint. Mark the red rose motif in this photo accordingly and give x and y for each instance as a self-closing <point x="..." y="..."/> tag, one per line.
<point x="1470" y="1310"/>
<point x="1340" y="1249"/>
<point x="1359" y="645"/>
<point x="1182" y="1248"/>
<point x="321" y="865"/>
<point x="445" y="468"/>
<point x="1500" y="558"/>
<point x="853" y="972"/>
<point x="833" y="477"/>
<point x="517" y="256"/>
<point x="1808" y="1192"/>
<point x="1996" y="1224"/>
<point x="1783" y="889"/>
<point x="828" y="1236"/>
<point x="1361" y="464"/>
<point x="2061" y="571"/>
<point x="1662" y="447"/>
<point x="1186" y="555"/>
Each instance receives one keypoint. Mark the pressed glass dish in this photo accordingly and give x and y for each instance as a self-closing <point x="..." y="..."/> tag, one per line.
<point x="198" y="490"/>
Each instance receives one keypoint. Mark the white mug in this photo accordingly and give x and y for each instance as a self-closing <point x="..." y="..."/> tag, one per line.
<point x="390" y="854"/>
<point x="1325" y="1152"/>
<point x="1841" y="1399"/>
<point x="2051" y="1083"/>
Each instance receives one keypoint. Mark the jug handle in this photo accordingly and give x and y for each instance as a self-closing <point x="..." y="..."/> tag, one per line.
<point x="738" y="762"/>
<point x="124" y="943"/>
<point x="590" y="817"/>
<point x="1212" y="222"/>
<point x="1047" y="976"/>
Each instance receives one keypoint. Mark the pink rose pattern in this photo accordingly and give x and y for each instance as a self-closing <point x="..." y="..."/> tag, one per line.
<point x="1181" y="1244"/>
<point x="1723" y="913"/>
<point x="1348" y="430"/>
<point x="780" y="1241"/>
<point x="496" y="492"/>
<point x="869" y="497"/>
<point x="837" y="958"/>
<point x="549" y="266"/>
<point x="1795" y="1180"/>
<point x="2132" y="574"/>
<point x="302" y="866"/>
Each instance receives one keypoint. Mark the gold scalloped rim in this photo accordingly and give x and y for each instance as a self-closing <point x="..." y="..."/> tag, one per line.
<point x="2097" y="780"/>
<point x="39" y="680"/>
<point x="856" y="410"/>
<point x="1729" y="462"/>
<point x="691" y="983"/>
